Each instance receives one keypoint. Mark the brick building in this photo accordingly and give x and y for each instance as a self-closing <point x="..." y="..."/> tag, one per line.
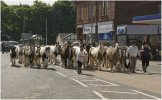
<point x="101" y="18"/>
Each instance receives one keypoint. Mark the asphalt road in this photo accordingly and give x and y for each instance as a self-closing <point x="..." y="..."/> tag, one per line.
<point x="59" y="83"/>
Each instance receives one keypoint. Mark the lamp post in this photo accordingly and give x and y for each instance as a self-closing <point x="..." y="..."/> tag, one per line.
<point x="91" y="21"/>
<point x="96" y="27"/>
<point x="46" y="31"/>
<point x="24" y="23"/>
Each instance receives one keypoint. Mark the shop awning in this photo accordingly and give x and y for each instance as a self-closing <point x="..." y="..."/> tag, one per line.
<point x="148" y="19"/>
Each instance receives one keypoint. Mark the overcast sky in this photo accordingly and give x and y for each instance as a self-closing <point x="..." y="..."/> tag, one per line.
<point x="28" y="2"/>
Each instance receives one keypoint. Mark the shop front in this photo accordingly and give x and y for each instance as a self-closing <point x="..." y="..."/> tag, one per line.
<point x="105" y="32"/>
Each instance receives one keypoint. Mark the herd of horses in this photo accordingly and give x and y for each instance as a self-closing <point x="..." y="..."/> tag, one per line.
<point x="111" y="57"/>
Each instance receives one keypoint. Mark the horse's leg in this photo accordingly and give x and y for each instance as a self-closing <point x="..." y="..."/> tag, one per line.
<point x="99" y="65"/>
<point x="20" y="59"/>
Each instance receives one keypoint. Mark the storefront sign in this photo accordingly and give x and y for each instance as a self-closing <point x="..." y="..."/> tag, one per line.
<point x="87" y="30"/>
<point x="105" y="32"/>
<point x="104" y="28"/>
<point x="121" y="30"/>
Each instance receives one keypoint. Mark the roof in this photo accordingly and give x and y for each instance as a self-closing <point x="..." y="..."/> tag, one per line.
<point x="69" y="35"/>
<point x="62" y="35"/>
<point x="26" y="35"/>
<point x="148" y="19"/>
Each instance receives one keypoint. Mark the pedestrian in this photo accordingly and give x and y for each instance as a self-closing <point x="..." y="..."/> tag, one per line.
<point x="146" y="55"/>
<point x="3" y="47"/>
<point x="131" y="54"/>
<point x="67" y="55"/>
<point x="93" y="44"/>
<point x="80" y="59"/>
<point x="146" y="41"/>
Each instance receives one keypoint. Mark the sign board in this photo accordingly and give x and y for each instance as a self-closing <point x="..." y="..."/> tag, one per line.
<point x="104" y="28"/>
<point x="121" y="30"/>
<point x="26" y="36"/>
<point x="87" y="30"/>
<point x="142" y="29"/>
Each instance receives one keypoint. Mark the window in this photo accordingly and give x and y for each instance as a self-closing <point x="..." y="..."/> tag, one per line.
<point x="82" y="12"/>
<point x="159" y="6"/>
<point x="104" y="8"/>
<point x="90" y="9"/>
<point x="79" y="12"/>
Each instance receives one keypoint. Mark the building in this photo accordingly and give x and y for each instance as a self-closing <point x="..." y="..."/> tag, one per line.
<point x="60" y="37"/>
<point x="71" y="37"/>
<point x="98" y="20"/>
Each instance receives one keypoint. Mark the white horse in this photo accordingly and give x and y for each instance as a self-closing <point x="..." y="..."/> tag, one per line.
<point x="75" y="53"/>
<point x="27" y="52"/>
<point x="19" y="53"/>
<point x="54" y="51"/>
<point x="93" y="55"/>
<point x="44" y="53"/>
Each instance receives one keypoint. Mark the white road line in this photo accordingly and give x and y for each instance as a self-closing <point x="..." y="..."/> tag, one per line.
<point x="79" y="82"/>
<point x="106" y="82"/>
<point x="80" y="76"/>
<point x="120" y="92"/>
<point x="98" y="94"/>
<point x="61" y="74"/>
<point x="89" y="80"/>
<point x="145" y="94"/>
<point x="99" y="85"/>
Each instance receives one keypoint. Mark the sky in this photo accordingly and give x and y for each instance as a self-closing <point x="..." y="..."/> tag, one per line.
<point x="28" y="2"/>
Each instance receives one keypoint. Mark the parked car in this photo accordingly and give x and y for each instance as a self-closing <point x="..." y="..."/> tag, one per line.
<point x="9" y="45"/>
<point x="12" y="44"/>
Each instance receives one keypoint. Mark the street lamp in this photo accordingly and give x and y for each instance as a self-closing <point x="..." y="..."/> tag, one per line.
<point x="46" y="31"/>
<point x="24" y="23"/>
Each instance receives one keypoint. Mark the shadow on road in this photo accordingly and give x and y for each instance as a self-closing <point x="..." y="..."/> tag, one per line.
<point x="148" y="73"/>
<point x="88" y="74"/>
<point x="17" y="66"/>
<point x="51" y="69"/>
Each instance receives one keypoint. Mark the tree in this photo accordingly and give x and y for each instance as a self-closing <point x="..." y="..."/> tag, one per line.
<point x="60" y="16"/>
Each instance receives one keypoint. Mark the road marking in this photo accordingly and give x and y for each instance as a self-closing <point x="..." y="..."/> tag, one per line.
<point x="59" y="67"/>
<point x="98" y="94"/>
<point x="79" y="82"/>
<point x="106" y="82"/>
<point x="30" y="97"/>
<point x="80" y="76"/>
<point x="89" y="80"/>
<point x="120" y="92"/>
<point x="145" y="94"/>
<point x="99" y="85"/>
<point x="61" y="74"/>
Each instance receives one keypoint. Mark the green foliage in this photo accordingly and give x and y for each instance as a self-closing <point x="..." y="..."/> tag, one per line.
<point x="60" y="17"/>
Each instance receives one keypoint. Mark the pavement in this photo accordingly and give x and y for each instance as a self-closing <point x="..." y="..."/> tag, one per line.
<point x="56" y="82"/>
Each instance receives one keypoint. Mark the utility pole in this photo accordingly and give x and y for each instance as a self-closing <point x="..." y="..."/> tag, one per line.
<point x="24" y="24"/>
<point x="96" y="27"/>
<point x="46" y="31"/>
<point x="91" y="21"/>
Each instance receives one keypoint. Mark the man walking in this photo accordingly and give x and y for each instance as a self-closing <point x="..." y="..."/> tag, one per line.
<point x="132" y="53"/>
<point x="80" y="59"/>
<point x="3" y="47"/>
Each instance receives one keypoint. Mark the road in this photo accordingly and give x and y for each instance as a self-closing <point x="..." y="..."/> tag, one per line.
<point x="58" y="83"/>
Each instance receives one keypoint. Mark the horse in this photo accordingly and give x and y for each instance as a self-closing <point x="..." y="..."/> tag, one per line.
<point x="113" y="55"/>
<point x="94" y="55"/>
